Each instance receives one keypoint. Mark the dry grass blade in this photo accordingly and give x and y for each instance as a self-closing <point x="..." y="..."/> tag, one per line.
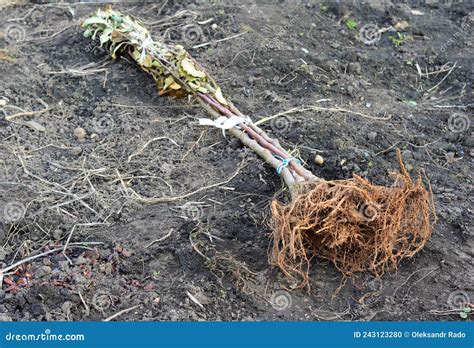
<point x="155" y="200"/>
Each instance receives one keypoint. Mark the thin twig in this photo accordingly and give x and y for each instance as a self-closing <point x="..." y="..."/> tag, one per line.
<point x="112" y="317"/>
<point x="166" y="199"/>
<point x="193" y="146"/>
<point x="194" y="299"/>
<point x="319" y="108"/>
<point x="72" y="231"/>
<point x="160" y="239"/>
<point x="30" y="258"/>
<point x="139" y="152"/>
<point x="84" y="303"/>
<point x="444" y="78"/>
<point x="221" y="40"/>
<point x="26" y="113"/>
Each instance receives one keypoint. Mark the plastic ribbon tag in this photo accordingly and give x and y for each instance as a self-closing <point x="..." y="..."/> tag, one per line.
<point x="224" y="122"/>
<point x="285" y="162"/>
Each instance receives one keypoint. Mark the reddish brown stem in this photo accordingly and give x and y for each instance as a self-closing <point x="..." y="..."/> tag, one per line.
<point x="259" y="138"/>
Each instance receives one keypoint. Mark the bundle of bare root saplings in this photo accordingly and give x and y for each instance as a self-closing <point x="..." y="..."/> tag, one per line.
<point x="357" y="225"/>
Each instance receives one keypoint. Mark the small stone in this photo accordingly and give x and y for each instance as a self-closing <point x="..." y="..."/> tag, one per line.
<point x="57" y="234"/>
<point x="469" y="141"/>
<point x="450" y="157"/>
<point x="79" y="134"/>
<point x="4" y="317"/>
<point x="81" y="260"/>
<point x="64" y="266"/>
<point x="37" y="309"/>
<point x="79" y="278"/>
<point x="76" y="150"/>
<point x="35" y="126"/>
<point x="402" y="25"/>
<point x="318" y="159"/>
<point x="354" y="68"/>
<point x="350" y="90"/>
<point x="214" y="26"/>
<point x="372" y="135"/>
<point x="407" y="154"/>
<point x="43" y="271"/>
<point x="66" y="307"/>
<point x="420" y="139"/>
<point x="108" y="268"/>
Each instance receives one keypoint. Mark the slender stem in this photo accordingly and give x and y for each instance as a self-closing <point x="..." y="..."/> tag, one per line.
<point x="259" y="138"/>
<point x="261" y="151"/>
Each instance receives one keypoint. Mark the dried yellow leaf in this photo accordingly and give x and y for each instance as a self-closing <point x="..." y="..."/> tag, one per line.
<point x="220" y="98"/>
<point x="189" y="67"/>
<point x="168" y="82"/>
<point x="147" y="61"/>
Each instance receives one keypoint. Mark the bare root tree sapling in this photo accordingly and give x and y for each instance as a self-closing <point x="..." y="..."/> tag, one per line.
<point x="357" y="225"/>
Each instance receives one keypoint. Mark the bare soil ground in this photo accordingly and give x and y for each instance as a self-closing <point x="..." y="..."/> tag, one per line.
<point x="412" y="92"/>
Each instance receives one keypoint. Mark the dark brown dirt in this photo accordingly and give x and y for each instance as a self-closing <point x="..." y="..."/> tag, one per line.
<point x="416" y="96"/>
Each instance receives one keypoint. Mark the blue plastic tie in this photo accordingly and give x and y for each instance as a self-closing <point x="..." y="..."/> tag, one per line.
<point x="285" y="162"/>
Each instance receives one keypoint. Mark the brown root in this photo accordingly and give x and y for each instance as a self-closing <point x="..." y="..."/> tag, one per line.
<point x="353" y="223"/>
